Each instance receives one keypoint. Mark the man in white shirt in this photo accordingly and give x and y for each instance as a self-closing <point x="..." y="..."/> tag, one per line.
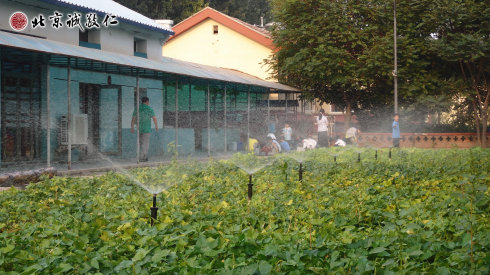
<point x="322" y="124"/>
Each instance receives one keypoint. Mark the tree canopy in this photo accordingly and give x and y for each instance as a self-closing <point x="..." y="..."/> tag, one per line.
<point x="341" y="52"/>
<point x="247" y="10"/>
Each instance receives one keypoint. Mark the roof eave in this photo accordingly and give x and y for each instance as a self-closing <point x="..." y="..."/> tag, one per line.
<point x="127" y="21"/>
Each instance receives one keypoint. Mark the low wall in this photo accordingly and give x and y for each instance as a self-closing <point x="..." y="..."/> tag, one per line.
<point x="422" y="140"/>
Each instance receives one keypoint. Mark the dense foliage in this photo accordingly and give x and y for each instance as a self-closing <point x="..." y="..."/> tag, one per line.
<point x="421" y="211"/>
<point x="249" y="11"/>
<point x="341" y="52"/>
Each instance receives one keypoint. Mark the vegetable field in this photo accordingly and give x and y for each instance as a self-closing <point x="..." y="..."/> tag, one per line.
<point x="420" y="211"/>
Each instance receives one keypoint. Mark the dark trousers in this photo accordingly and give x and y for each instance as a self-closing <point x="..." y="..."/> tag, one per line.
<point x="396" y="142"/>
<point x="322" y="139"/>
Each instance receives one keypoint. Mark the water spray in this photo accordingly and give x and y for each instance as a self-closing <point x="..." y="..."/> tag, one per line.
<point x="154" y="209"/>
<point x="251" y="164"/>
<point x="250" y="186"/>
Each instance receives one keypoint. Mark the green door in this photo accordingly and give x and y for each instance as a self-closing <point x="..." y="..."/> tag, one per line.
<point x="110" y="120"/>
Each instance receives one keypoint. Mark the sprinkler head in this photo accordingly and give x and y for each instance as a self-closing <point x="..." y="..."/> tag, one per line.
<point x="154" y="210"/>
<point x="250" y="186"/>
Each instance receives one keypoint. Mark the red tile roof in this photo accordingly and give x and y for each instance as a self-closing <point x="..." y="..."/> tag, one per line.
<point x="258" y="34"/>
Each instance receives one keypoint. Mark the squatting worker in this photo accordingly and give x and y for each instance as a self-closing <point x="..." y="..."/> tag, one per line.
<point x="322" y="124"/>
<point x="146" y="115"/>
<point x="396" y="131"/>
<point x="351" y="135"/>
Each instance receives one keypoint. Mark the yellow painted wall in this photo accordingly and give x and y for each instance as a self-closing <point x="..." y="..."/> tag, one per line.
<point x="227" y="49"/>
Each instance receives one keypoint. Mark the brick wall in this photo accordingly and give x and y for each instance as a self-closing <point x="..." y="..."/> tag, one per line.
<point x="423" y="140"/>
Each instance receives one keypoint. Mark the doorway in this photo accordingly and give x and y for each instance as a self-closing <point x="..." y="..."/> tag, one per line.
<point x="21" y="111"/>
<point x="102" y="104"/>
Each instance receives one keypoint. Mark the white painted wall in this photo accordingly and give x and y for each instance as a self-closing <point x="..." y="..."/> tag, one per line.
<point x="226" y="49"/>
<point x="116" y="40"/>
<point x="112" y="39"/>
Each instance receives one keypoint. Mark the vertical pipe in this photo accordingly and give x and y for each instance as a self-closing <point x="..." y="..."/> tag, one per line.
<point x="209" y="122"/>
<point x="250" y="187"/>
<point x="268" y="112"/>
<point x="177" y="117"/>
<point x="137" y="119"/>
<point x="153" y="210"/>
<point x="286" y="95"/>
<point x="389" y="154"/>
<point x="48" y="119"/>
<point x="376" y="155"/>
<point x="164" y="98"/>
<point x="190" y="104"/>
<point x="226" y="123"/>
<point x="69" y="114"/>
<point x="300" y="171"/>
<point x="395" y="71"/>
<point x="248" y="118"/>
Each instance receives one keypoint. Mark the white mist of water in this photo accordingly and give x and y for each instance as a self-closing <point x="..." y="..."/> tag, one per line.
<point x="250" y="163"/>
<point x="125" y="172"/>
<point x="299" y="157"/>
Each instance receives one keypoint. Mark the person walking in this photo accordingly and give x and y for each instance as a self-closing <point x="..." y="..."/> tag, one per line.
<point x="146" y="115"/>
<point x="322" y="124"/>
<point x="396" y="131"/>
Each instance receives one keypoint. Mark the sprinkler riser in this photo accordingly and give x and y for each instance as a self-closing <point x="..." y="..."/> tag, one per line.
<point x="154" y="210"/>
<point x="300" y="171"/>
<point x="250" y="187"/>
<point x="376" y="155"/>
<point x="154" y="214"/>
<point x="389" y="154"/>
<point x="358" y="157"/>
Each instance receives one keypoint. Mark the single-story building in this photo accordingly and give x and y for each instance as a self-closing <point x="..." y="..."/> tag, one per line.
<point x="68" y="91"/>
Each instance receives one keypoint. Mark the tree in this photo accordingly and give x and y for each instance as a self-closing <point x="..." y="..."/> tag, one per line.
<point x="341" y="52"/>
<point x="176" y="10"/>
<point x="249" y="11"/>
<point x="462" y="42"/>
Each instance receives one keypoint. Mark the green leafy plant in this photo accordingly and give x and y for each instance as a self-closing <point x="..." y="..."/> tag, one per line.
<point x="423" y="211"/>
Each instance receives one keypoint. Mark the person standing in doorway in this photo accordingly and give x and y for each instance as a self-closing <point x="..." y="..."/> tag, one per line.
<point x="396" y="131"/>
<point x="146" y="115"/>
<point x="322" y="124"/>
